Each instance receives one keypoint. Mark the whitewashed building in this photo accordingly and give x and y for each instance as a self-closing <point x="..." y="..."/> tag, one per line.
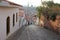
<point x="9" y="18"/>
<point x="22" y="17"/>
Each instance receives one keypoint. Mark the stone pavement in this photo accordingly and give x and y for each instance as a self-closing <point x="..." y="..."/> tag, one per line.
<point x="34" y="32"/>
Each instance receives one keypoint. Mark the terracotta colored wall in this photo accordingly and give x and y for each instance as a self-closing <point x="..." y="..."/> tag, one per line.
<point x="55" y="23"/>
<point x="42" y="18"/>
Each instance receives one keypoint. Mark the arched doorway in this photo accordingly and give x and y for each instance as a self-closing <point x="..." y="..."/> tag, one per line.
<point x="16" y="16"/>
<point x="13" y="20"/>
<point x="8" y="25"/>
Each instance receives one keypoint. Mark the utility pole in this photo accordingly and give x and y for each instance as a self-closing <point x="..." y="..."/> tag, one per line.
<point x="27" y="12"/>
<point x="41" y="1"/>
<point x="28" y="3"/>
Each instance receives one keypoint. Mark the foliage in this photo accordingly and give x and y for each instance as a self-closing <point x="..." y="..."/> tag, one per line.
<point x="39" y="9"/>
<point x="48" y="8"/>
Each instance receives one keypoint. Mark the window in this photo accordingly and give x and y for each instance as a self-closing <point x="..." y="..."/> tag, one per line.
<point x="16" y="17"/>
<point x="13" y="19"/>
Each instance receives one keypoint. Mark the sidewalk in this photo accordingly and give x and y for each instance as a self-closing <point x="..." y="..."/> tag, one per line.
<point x="16" y="34"/>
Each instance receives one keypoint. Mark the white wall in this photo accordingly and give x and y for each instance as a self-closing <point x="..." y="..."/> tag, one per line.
<point x="4" y="13"/>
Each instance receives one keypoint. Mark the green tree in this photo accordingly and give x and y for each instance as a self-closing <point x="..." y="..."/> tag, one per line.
<point x="48" y="8"/>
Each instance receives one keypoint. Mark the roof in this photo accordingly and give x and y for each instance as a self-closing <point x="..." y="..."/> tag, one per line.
<point x="12" y="3"/>
<point x="10" y="6"/>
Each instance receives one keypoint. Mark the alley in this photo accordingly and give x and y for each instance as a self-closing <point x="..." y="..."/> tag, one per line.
<point x="34" y="32"/>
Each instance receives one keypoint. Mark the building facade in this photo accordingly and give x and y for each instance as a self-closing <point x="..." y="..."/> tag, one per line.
<point x="9" y="18"/>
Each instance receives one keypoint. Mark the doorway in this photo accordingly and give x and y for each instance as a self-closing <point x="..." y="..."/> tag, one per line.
<point x="8" y="25"/>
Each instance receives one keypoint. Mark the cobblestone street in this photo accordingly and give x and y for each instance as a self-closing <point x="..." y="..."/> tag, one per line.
<point x="34" y="32"/>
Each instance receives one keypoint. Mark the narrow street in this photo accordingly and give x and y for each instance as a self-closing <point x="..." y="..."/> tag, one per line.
<point x="33" y="32"/>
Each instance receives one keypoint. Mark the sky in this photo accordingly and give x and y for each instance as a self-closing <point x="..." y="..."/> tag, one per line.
<point x="31" y="2"/>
